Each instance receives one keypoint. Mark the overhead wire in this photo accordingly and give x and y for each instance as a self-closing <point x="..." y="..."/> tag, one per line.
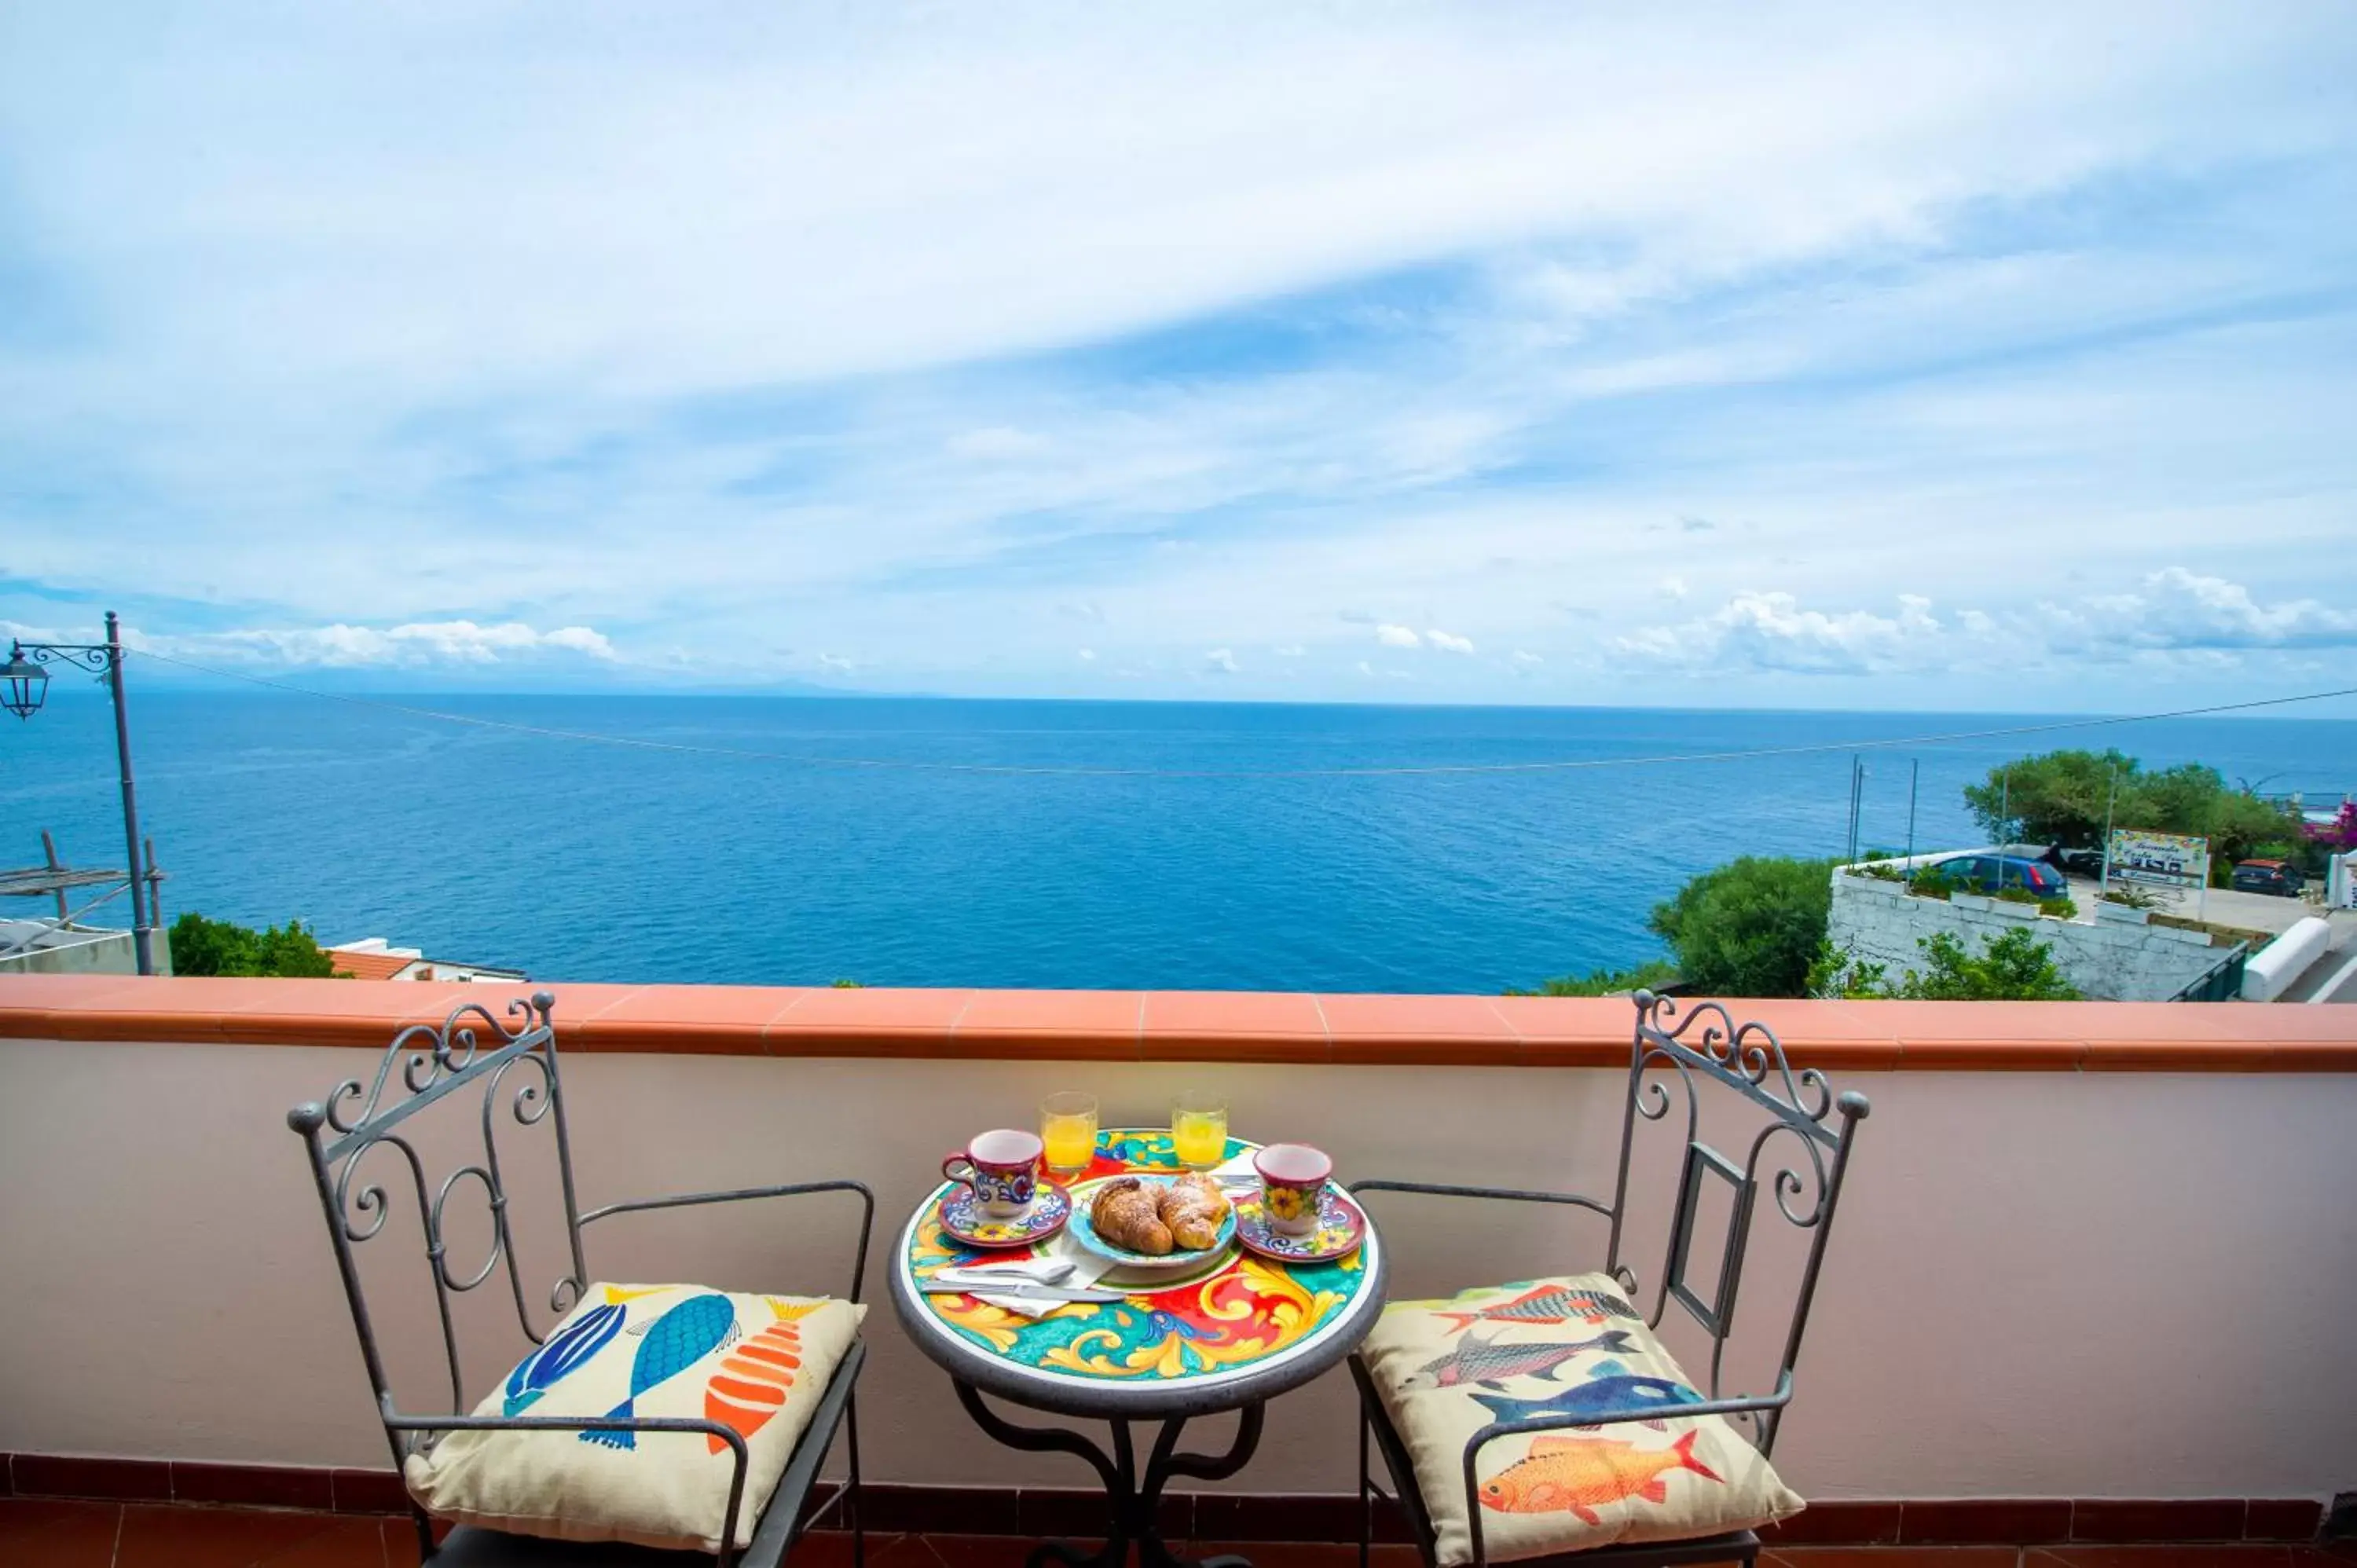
<point x="641" y="742"/>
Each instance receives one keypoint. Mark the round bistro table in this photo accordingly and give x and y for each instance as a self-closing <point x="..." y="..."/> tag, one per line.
<point x="1231" y="1340"/>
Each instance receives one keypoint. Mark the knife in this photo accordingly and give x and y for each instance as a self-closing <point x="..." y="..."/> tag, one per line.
<point x="1017" y="1291"/>
<point x="1043" y="1272"/>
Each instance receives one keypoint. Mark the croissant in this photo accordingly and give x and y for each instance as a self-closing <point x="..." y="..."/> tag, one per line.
<point x="1194" y="1207"/>
<point x="1128" y="1215"/>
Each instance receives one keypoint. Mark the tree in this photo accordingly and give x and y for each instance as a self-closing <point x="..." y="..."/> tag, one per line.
<point x="2056" y="799"/>
<point x="223" y="947"/>
<point x="1750" y="928"/>
<point x="2060" y="797"/>
<point x="2013" y="967"/>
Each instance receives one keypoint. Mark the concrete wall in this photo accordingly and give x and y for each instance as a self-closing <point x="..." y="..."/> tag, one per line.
<point x="2108" y="961"/>
<point x="2043" y="1284"/>
<point x="82" y="952"/>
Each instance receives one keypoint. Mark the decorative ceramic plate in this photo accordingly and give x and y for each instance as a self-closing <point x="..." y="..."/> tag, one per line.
<point x="1340" y="1227"/>
<point x="1084" y="1231"/>
<point x="962" y="1218"/>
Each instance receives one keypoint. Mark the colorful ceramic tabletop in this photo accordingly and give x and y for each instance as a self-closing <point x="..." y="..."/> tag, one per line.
<point x="1249" y="1328"/>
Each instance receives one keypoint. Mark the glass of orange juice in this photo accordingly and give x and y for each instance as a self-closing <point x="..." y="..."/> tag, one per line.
<point x="1068" y="1125"/>
<point x="1199" y="1130"/>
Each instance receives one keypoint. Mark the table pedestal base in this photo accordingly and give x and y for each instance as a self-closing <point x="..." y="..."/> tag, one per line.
<point x="1131" y="1498"/>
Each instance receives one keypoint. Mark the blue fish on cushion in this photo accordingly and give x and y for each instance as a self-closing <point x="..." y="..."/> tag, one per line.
<point x="1595" y="1400"/>
<point x="565" y="1349"/>
<point x="676" y="1341"/>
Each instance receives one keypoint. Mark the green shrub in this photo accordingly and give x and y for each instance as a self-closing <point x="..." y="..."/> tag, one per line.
<point x="223" y="947"/>
<point x="1607" y="982"/>
<point x="1751" y="928"/>
<point x="2062" y="909"/>
<point x="2013" y="967"/>
<point x="1933" y="882"/>
<point x="1839" y="974"/>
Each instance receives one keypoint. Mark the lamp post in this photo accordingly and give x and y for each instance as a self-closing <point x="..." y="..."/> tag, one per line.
<point x="25" y="682"/>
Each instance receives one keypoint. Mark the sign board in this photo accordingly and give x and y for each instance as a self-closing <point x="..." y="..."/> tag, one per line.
<point x="2340" y="883"/>
<point x="2174" y="862"/>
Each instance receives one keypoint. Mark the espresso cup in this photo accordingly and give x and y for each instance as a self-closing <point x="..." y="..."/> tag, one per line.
<point x="1293" y="1177"/>
<point x="1002" y="1167"/>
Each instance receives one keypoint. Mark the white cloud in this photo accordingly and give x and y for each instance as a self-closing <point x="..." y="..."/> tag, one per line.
<point x="2179" y="610"/>
<point x="1673" y="587"/>
<point x="1289" y="650"/>
<point x="999" y="443"/>
<point x="1221" y="662"/>
<point x="1086" y="655"/>
<point x="415" y="643"/>
<point x="836" y="662"/>
<point x="1397" y="637"/>
<point x="2177" y="614"/>
<point x="1448" y="643"/>
<point x="1774" y="631"/>
<point x="1527" y="660"/>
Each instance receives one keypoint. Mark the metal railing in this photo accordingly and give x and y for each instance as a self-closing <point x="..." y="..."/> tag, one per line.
<point x="2223" y="981"/>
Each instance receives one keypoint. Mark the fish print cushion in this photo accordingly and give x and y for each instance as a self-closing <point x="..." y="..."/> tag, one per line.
<point x="1572" y="1346"/>
<point x="756" y="1363"/>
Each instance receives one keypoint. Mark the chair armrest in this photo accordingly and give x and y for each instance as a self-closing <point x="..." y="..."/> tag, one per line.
<point x="740" y="1456"/>
<point x="1740" y="1404"/>
<point x="1509" y="1195"/>
<point x="792" y="1189"/>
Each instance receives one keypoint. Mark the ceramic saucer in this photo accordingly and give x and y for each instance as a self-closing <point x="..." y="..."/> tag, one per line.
<point x="1340" y="1227"/>
<point x="964" y="1221"/>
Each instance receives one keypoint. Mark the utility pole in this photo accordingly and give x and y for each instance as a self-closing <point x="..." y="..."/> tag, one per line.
<point x="1914" y="772"/>
<point x="2004" y="820"/>
<point x="2111" y="798"/>
<point x="1856" y="789"/>
<point x="143" y="924"/>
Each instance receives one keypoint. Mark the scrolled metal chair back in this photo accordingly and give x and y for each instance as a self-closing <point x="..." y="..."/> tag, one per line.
<point x="471" y="1048"/>
<point x="1705" y="1045"/>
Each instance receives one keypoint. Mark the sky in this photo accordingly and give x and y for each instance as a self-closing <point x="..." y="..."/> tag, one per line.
<point x="1988" y="356"/>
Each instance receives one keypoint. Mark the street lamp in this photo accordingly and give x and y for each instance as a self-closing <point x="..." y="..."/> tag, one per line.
<point x="24" y="683"/>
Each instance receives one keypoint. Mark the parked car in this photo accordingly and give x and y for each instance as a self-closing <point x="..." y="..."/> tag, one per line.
<point x="1996" y="872"/>
<point x="2268" y="876"/>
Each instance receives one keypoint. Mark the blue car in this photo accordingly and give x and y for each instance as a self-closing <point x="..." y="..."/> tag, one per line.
<point x="1995" y="873"/>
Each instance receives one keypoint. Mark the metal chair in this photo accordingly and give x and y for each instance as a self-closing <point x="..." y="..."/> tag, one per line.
<point x="1748" y="1060"/>
<point x="470" y="1047"/>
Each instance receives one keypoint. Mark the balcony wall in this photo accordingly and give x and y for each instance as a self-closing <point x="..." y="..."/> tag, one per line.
<point x="2089" y="1249"/>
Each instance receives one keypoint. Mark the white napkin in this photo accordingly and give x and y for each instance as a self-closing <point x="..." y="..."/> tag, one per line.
<point x="1088" y="1268"/>
<point x="1228" y="1174"/>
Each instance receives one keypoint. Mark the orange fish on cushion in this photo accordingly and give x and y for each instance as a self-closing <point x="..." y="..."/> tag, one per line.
<point x="750" y="1386"/>
<point x="1577" y="1474"/>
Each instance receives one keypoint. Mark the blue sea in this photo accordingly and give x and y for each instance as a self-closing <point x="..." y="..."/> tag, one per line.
<point x="580" y="861"/>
